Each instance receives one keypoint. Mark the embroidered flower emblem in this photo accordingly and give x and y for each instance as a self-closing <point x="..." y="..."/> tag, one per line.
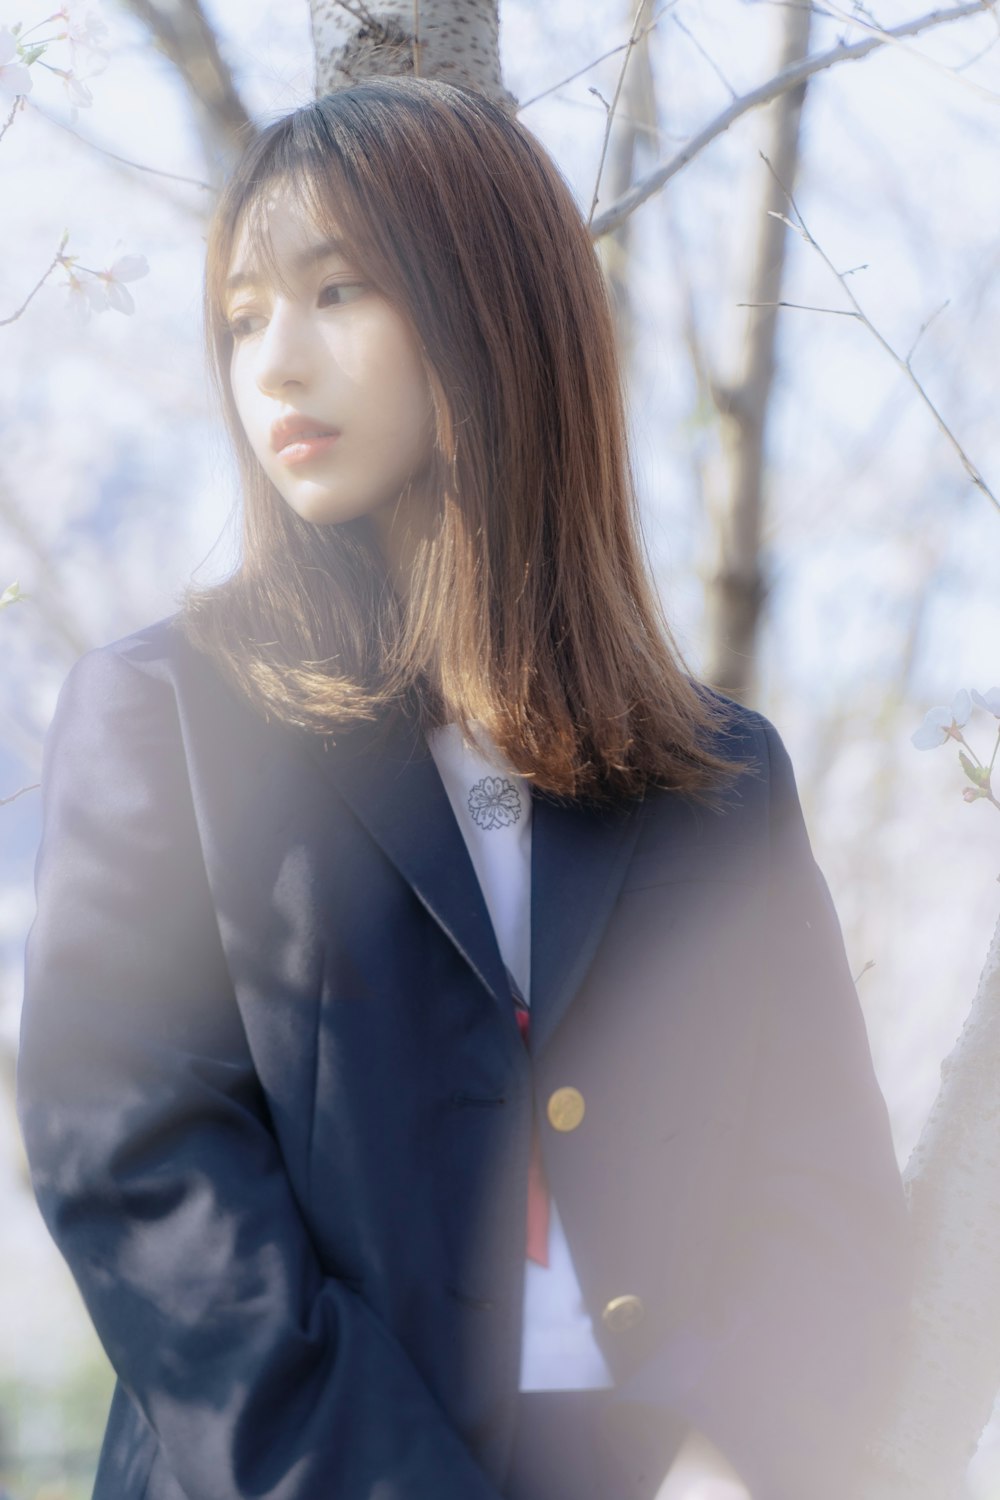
<point x="494" y="802"/>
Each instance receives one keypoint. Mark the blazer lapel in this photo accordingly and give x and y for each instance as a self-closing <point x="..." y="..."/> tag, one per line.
<point x="579" y="855"/>
<point x="386" y="772"/>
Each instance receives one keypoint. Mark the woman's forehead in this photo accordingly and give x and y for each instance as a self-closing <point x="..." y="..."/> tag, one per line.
<point x="282" y="230"/>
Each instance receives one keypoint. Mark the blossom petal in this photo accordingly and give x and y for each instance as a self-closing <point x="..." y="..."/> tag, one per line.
<point x="8" y="45"/>
<point x="88" y="31"/>
<point x="990" y="700"/>
<point x="119" y="297"/>
<point x="78" y="303"/>
<point x="78" y="92"/>
<point x="87" y="61"/>
<point x="15" y="79"/>
<point x="928" y="735"/>
<point x="95" y="293"/>
<point x="129" y="268"/>
<point x="961" y="706"/>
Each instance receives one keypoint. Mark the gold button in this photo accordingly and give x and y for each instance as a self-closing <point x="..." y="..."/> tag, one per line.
<point x="565" y="1108"/>
<point x="623" y="1312"/>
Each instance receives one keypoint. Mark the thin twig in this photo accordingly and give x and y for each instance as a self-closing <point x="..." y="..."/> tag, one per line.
<point x="611" y="52"/>
<point x="871" y="26"/>
<point x="4" y="801"/>
<point x="706" y="57"/>
<point x="18" y="99"/>
<point x="610" y="115"/>
<point x="924" y="327"/>
<point x="859" y="313"/>
<point x="124" y="161"/>
<point x="782" y="83"/>
<point x="836" y="312"/>
<point x="38" y="285"/>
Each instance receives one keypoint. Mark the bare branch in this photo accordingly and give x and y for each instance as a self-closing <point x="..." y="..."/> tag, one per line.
<point x="836" y="312"/>
<point x="19" y="100"/>
<point x="924" y="327"/>
<point x="901" y="362"/>
<point x="124" y="161"/>
<point x="738" y="584"/>
<point x="4" y="801"/>
<point x="610" y="116"/>
<point x="126" y="166"/>
<point x="593" y="63"/>
<point x="184" y="34"/>
<point x="38" y="285"/>
<point x="855" y="18"/>
<point x="782" y="83"/>
<point x="706" y="56"/>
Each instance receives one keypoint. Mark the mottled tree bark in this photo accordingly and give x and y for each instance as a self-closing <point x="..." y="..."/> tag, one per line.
<point x="457" y="43"/>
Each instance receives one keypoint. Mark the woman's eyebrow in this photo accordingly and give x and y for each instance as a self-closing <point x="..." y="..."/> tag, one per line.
<point x="301" y="262"/>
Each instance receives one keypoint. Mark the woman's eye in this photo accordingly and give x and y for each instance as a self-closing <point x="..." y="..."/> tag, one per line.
<point x="237" y="326"/>
<point x="352" y="287"/>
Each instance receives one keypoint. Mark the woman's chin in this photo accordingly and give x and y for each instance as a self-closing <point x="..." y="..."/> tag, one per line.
<point x="321" y="511"/>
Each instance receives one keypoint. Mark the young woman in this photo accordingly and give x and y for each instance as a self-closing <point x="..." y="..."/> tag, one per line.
<point x="440" y="1065"/>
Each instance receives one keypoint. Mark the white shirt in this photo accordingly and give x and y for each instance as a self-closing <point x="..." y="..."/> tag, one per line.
<point x="492" y="805"/>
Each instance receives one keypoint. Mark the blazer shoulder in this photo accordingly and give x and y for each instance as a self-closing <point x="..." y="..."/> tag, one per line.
<point x="154" y="664"/>
<point x="160" y="649"/>
<point x="131" y="698"/>
<point x="739" y="731"/>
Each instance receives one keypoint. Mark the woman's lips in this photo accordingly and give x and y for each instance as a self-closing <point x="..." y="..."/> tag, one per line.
<point x="300" y="450"/>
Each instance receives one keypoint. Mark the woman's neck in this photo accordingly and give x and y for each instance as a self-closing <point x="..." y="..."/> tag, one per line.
<point x="400" y="528"/>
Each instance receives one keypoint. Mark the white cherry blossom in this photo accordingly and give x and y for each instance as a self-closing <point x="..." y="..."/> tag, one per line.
<point x="940" y="723"/>
<point x="14" y="76"/>
<point x="86" y="296"/>
<point x="96" y="291"/>
<point x="87" y="57"/>
<point x="990" y="701"/>
<point x="125" y="268"/>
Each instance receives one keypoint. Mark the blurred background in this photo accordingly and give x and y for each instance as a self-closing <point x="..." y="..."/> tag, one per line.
<point x="864" y="593"/>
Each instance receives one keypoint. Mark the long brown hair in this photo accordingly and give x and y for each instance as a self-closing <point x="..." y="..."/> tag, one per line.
<point x="529" y="608"/>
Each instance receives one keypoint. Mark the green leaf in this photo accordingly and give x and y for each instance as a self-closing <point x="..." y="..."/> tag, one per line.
<point x="978" y="775"/>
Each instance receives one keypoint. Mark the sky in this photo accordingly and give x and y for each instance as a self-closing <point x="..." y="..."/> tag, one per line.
<point x="882" y="556"/>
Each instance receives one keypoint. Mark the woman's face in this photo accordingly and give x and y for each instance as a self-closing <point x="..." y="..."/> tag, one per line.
<point x="336" y="353"/>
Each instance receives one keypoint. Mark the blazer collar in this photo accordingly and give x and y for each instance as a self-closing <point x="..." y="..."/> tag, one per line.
<point x="579" y="855"/>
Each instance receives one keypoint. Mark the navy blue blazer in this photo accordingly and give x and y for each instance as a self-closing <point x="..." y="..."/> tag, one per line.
<point x="277" y="1109"/>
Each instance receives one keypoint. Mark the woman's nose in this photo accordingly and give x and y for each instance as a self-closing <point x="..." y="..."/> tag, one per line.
<point x="283" y="351"/>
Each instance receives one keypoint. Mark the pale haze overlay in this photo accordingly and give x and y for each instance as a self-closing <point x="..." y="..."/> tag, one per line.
<point x="883" y="558"/>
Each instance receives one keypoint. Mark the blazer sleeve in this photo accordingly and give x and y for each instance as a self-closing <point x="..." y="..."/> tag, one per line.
<point x="153" y="1160"/>
<point x="788" y="1361"/>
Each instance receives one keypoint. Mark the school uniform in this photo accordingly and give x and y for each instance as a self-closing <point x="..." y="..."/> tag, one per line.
<point x="280" y="1113"/>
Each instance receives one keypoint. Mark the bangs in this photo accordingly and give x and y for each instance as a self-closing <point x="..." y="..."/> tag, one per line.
<point x="302" y="168"/>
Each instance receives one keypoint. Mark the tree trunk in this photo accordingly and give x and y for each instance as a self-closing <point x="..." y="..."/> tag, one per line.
<point x="634" y="124"/>
<point x="182" y="33"/>
<point x="433" y="39"/>
<point x="735" y="584"/>
<point x="951" y="1368"/>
